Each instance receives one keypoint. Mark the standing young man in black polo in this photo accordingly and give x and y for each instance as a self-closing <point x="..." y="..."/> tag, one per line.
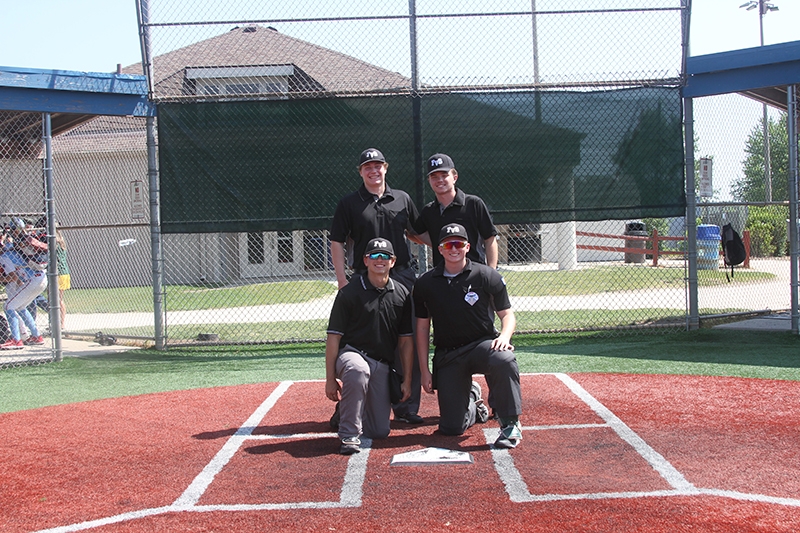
<point x="453" y="206"/>
<point x="377" y="210"/>
<point x="371" y="317"/>
<point x="374" y="210"/>
<point x="460" y="297"/>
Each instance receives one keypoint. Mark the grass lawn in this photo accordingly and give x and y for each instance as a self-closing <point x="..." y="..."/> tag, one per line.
<point x="188" y="297"/>
<point x="612" y="279"/>
<point x="527" y="321"/>
<point x="713" y="352"/>
<point x="594" y="280"/>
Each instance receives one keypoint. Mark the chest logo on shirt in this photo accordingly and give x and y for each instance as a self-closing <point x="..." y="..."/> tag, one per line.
<point x="471" y="298"/>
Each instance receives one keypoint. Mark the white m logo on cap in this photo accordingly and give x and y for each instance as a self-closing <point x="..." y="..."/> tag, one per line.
<point x="372" y="154"/>
<point x="452" y="229"/>
<point x="381" y="244"/>
<point x="436" y="162"/>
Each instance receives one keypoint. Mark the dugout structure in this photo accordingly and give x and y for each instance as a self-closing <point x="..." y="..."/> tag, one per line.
<point x="40" y="109"/>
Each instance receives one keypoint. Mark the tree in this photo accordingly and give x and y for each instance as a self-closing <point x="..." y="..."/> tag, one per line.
<point x="750" y="187"/>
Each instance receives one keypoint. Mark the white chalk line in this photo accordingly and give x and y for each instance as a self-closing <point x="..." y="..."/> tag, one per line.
<point x="518" y="490"/>
<point x="352" y="487"/>
<point x="350" y="495"/>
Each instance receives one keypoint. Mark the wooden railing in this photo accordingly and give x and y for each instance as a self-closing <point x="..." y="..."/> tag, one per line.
<point x="655" y="238"/>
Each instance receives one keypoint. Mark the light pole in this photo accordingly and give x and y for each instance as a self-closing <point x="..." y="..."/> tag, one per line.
<point x="764" y="7"/>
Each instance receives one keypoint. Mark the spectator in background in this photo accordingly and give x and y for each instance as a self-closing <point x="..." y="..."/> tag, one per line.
<point x="5" y="333"/>
<point x="64" y="281"/>
<point x="24" y="261"/>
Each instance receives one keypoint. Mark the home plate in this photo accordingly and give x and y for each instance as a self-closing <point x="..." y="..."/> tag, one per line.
<point x="432" y="456"/>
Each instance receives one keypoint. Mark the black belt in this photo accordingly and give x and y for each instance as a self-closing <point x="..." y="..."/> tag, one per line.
<point x="351" y="348"/>
<point x="457" y="346"/>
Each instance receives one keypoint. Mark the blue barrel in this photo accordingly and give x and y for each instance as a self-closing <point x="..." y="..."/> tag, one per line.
<point x="708" y="237"/>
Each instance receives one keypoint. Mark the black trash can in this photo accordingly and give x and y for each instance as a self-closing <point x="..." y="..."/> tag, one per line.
<point x="635" y="229"/>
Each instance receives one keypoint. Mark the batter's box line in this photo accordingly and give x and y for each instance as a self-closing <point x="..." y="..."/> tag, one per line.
<point x="351" y="487"/>
<point x="518" y="491"/>
<point x="351" y="493"/>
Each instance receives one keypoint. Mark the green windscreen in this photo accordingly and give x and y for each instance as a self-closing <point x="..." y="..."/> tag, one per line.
<point x="549" y="157"/>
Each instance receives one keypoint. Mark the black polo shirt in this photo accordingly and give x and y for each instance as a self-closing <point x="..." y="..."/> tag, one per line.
<point x="461" y="308"/>
<point x="371" y="319"/>
<point x="361" y="216"/>
<point x="465" y="209"/>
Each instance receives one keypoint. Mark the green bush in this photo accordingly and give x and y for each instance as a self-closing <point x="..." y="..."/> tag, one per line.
<point x="767" y="227"/>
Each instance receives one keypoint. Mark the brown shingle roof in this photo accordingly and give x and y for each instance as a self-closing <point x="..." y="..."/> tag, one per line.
<point x="257" y="45"/>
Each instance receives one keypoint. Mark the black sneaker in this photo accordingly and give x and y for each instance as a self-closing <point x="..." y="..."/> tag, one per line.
<point x="350" y="446"/>
<point x="409" y="418"/>
<point x="481" y="411"/>
<point x="335" y="417"/>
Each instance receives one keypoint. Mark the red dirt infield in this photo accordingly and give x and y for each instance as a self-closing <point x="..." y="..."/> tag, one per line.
<point x="601" y="452"/>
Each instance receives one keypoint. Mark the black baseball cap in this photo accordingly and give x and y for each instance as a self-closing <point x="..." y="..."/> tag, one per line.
<point x="379" y="244"/>
<point x="453" y="230"/>
<point x="371" y="154"/>
<point x="438" y="162"/>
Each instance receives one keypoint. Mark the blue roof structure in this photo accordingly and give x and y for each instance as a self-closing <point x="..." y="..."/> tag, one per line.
<point x="71" y="98"/>
<point x="760" y="73"/>
<point x="64" y="91"/>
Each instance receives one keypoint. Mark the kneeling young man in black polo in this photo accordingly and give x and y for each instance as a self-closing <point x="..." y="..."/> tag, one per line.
<point x="371" y="316"/>
<point x="460" y="297"/>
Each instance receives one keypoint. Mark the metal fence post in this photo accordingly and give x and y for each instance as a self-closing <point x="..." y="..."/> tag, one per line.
<point x="156" y="251"/>
<point x="691" y="214"/>
<point x="791" y="101"/>
<point x="155" y="236"/>
<point x="54" y="305"/>
<point x="416" y="111"/>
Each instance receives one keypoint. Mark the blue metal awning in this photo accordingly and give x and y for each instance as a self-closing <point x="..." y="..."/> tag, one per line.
<point x="760" y="73"/>
<point x="63" y="91"/>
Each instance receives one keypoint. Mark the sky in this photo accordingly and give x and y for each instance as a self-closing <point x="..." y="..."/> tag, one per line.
<point x="96" y="35"/>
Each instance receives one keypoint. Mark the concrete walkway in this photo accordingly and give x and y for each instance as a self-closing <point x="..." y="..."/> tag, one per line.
<point x="69" y="348"/>
<point x="773" y="295"/>
<point x="773" y="322"/>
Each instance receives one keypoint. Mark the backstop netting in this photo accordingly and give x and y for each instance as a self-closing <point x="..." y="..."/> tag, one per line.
<point x="572" y="136"/>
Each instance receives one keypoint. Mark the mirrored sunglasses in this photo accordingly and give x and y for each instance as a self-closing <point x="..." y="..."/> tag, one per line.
<point x="449" y="245"/>
<point x="379" y="255"/>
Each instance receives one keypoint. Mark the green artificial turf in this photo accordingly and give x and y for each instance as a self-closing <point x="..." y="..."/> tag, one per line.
<point x="713" y="352"/>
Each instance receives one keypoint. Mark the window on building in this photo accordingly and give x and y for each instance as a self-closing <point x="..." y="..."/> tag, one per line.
<point x="255" y="248"/>
<point x="285" y="247"/>
<point x="249" y="80"/>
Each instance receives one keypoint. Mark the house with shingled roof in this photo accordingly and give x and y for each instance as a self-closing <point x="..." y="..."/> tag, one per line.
<point x="109" y="153"/>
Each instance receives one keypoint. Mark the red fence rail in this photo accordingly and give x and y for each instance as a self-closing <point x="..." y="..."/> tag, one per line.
<point x="655" y="239"/>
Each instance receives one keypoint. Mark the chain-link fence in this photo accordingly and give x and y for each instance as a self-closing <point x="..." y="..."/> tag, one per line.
<point x="102" y="235"/>
<point x="102" y="207"/>
<point x="21" y="214"/>
<point x="572" y="137"/>
<point x="729" y="138"/>
<point x="562" y="130"/>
